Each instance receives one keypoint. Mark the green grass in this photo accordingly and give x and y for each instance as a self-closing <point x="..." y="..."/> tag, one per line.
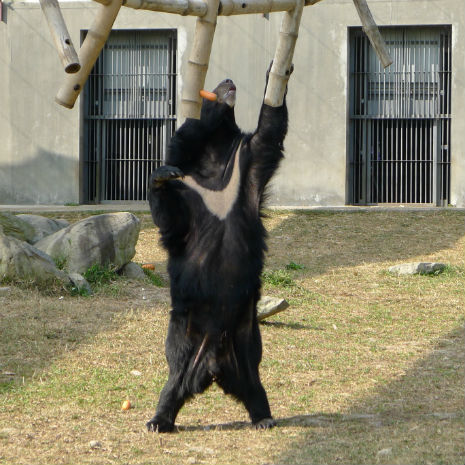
<point x="278" y="278"/>
<point x="99" y="275"/>
<point x="294" y="266"/>
<point x="155" y="278"/>
<point x="103" y="279"/>
<point x="60" y="262"/>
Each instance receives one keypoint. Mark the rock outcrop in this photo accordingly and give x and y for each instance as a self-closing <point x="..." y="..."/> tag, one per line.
<point x="102" y="239"/>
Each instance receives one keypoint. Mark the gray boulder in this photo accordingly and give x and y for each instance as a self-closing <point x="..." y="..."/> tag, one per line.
<point x="80" y="283"/>
<point x="102" y="239"/>
<point x="42" y="226"/>
<point x="268" y="306"/>
<point x="21" y="261"/>
<point x="15" y="227"/>
<point x="133" y="271"/>
<point x="417" y="268"/>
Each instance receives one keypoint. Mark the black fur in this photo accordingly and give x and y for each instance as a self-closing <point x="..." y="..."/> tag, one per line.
<point x="215" y="264"/>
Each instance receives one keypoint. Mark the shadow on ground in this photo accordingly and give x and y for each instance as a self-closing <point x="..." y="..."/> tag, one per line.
<point x="394" y="424"/>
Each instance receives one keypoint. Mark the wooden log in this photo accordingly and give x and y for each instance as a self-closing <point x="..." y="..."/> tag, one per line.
<point x="282" y="61"/>
<point x="371" y="30"/>
<point x="60" y="35"/>
<point x="197" y="66"/>
<point x="180" y="7"/>
<point x="88" y="53"/>
<point x="199" y="7"/>
<point x="236" y="7"/>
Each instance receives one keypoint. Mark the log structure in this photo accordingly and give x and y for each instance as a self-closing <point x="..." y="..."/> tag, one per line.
<point x="60" y="35"/>
<point x="88" y="53"/>
<point x="282" y="61"/>
<point x="206" y="12"/>
<point x="371" y="30"/>
<point x="197" y="65"/>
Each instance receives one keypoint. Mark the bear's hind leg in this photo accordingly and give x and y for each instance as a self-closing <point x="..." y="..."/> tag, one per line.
<point x="242" y="380"/>
<point x="256" y="402"/>
<point x="172" y="398"/>
<point x="247" y="387"/>
<point x="176" y="392"/>
<point x="188" y="376"/>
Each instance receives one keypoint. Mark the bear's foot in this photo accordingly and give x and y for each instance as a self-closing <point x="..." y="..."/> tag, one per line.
<point x="159" y="425"/>
<point x="265" y="423"/>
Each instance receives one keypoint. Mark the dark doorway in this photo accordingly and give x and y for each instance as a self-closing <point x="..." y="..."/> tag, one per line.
<point x="399" y="147"/>
<point x="129" y="114"/>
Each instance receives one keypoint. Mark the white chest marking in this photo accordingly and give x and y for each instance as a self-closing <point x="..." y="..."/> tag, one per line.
<point x="220" y="203"/>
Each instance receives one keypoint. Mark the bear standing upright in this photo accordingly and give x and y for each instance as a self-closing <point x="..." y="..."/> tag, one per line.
<point x="207" y="204"/>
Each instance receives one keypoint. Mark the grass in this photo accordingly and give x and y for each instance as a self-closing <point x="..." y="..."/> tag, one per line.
<point x="365" y="367"/>
<point x="277" y="278"/>
<point x="155" y="278"/>
<point x="99" y="276"/>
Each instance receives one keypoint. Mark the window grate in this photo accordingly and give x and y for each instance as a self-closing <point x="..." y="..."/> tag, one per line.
<point x="400" y="118"/>
<point x="129" y="114"/>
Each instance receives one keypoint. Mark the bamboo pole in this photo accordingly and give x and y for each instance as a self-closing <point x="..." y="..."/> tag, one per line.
<point x="371" y="30"/>
<point x="282" y="61"/>
<point x="241" y="7"/>
<point x="88" y="53"/>
<point x="180" y="7"/>
<point x="197" y="66"/>
<point x="60" y="35"/>
<point x="199" y="7"/>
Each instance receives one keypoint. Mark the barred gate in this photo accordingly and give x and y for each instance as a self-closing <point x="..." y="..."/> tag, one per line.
<point x="129" y="114"/>
<point x="399" y="146"/>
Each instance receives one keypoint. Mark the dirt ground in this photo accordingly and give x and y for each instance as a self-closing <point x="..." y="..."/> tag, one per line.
<point x="365" y="367"/>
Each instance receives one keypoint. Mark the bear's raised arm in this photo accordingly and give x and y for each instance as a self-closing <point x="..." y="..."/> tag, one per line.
<point x="272" y="122"/>
<point x="267" y="141"/>
<point x="272" y="126"/>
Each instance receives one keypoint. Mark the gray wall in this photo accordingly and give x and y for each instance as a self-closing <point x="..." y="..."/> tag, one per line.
<point x="40" y="149"/>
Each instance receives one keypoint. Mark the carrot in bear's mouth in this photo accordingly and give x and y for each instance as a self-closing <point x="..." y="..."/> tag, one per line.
<point x="208" y="95"/>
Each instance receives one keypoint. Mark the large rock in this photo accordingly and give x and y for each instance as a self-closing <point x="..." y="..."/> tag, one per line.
<point x="417" y="268"/>
<point x="16" y="227"/>
<point x="42" y="226"/>
<point x="268" y="306"/>
<point x="80" y="283"/>
<point x="103" y="239"/>
<point x="133" y="271"/>
<point x="21" y="261"/>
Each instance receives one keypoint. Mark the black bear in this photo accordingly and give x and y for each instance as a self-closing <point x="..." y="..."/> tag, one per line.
<point x="207" y="204"/>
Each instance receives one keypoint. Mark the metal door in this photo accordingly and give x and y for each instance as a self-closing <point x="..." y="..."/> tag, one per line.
<point x="400" y="118"/>
<point x="129" y="114"/>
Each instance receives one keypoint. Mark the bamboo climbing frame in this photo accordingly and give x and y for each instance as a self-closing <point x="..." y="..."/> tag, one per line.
<point x="197" y="67"/>
<point x="60" y="35"/>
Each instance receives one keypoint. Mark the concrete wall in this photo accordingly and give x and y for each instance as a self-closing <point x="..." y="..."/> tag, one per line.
<point x="40" y="141"/>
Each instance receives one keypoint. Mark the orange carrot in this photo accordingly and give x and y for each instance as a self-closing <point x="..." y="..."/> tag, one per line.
<point x="208" y="95"/>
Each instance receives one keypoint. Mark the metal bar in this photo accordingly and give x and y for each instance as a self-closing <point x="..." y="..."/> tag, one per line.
<point x="410" y="156"/>
<point x="436" y="182"/>
<point x="417" y="165"/>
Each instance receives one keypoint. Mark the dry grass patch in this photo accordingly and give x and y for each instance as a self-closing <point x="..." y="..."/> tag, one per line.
<point x="364" y="367"/>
